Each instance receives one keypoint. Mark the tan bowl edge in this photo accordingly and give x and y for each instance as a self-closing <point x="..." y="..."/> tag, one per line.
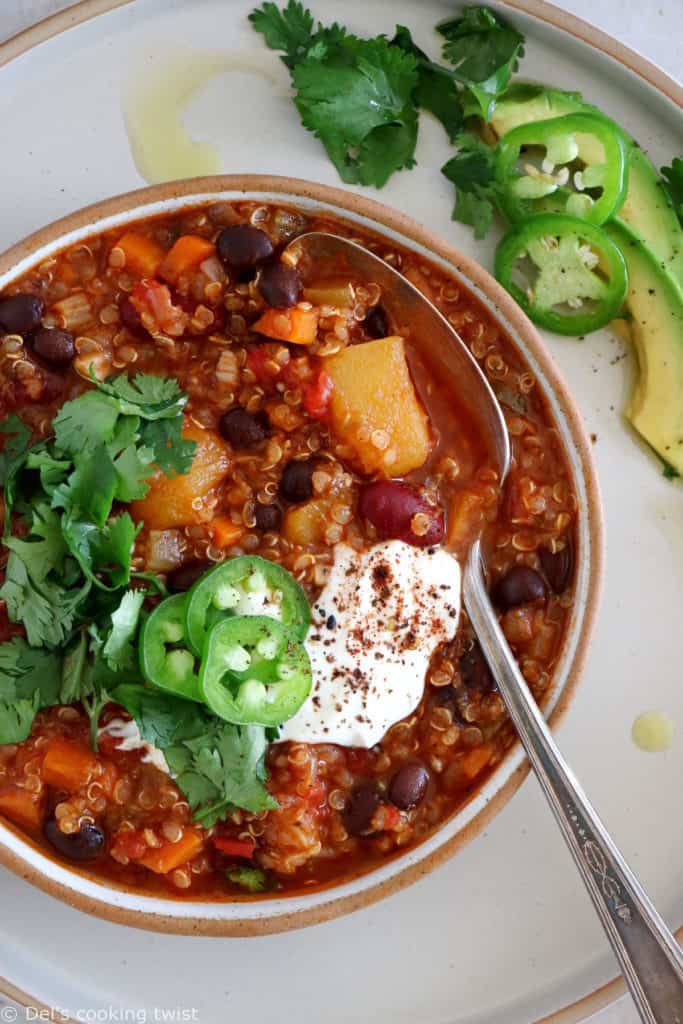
<point x="412" y="231"/>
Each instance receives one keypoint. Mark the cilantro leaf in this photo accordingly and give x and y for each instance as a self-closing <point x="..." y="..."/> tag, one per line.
<point x="290" y="30"/>
<point x="352" y="88"/>
<point x="133" y="467"/>
<point x="15" y="448"/>
<point x="484" y="50"/>
<point x="84" y="423"/>
<point x="251" y="879"/>
<point x="46" y="610"/>
<point x="46" y="554"/>
<point x="162" y="719"/>
<point x="113" y="548"/>
<point x="673" y="184"/>
<point x="436" y="89"/>
<point x="16" y="719"/>
<point x="89" y="492"/>
<point x="145" y="395"/>
<point x="26" y="671"/>
<point x="472" y="173"/>
<point x="118" y="649"/>
<point x="74" y="668"/>
<point x="173" y="453"/>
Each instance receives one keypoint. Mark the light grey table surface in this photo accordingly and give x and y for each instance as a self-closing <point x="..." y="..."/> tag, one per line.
<point x="650" y="27"/>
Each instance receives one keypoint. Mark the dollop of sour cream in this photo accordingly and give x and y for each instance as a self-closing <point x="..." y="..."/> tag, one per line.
<point x="128" y="735"/>
<point x="374" y="628"/>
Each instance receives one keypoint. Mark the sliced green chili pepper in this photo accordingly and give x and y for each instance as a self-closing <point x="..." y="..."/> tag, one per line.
<point x="165" y="660"/>
<point x="566" y="274"/>
<point x="585" y="151"/>
<point x="255" y="671"/>
<point x="247" y="585"/>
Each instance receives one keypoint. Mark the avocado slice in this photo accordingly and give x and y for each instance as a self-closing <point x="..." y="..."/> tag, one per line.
<point x="655" y="302"/>
<point x="647" y="208"/>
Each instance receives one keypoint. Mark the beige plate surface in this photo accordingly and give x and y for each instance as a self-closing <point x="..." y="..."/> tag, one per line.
<point x="552" y="952"/>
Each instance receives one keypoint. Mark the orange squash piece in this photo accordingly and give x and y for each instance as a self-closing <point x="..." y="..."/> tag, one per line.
<point x="225" y="533"/>
<point x="375" y="408"/>
<point x="68" y="765"/>
<point x="306" y="524"/>
<point x="169" y="856"/>
<point x="170" y="500"/>
<point x="143" y="255"/>
<point x="185" y="255"/>
<point x="23" y="808"/>
<point x="296" y="326"/>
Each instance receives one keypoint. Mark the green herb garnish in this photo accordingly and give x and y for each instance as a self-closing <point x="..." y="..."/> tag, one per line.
<point x="673" y="183"/>
<point x="472" y="173"/>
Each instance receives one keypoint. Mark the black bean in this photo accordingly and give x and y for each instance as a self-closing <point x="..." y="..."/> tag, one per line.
<point x="242" y="246"/>
<point x="296" y="483"/>
<point x="280" y="285"/>
<point x="86" y="844"/>
<point x="20" y="314"/>
<point x="376" y="322"/>
<point x="244" y="429"/>
<point x="475" y="671"/>
<point x="362" y="804"/>
<point x="268" y="518"/>
<point x="558" y="566"/>
<point x="54" y="346"/>
<point x="186" y="575"/>
<point x="409" y="785"/>
<point x="519" y="585"/>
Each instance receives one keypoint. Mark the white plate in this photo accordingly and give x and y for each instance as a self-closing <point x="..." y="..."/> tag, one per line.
<point x="503" y="933"/>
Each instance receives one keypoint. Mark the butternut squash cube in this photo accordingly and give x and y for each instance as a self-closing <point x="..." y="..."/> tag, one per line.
<point x="375" y="408"/>
<point x="177" y="501"/>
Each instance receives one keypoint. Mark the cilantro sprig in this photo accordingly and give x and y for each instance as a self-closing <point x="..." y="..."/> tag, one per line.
<point x="355" y="95"/>
<point x="218" y="766"/>
<point x="476" y="189"/>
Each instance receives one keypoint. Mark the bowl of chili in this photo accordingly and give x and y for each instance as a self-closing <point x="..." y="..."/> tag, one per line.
<point x="320" y="446"/>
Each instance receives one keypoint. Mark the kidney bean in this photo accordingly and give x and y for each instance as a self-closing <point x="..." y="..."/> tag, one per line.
<point x="557" y="566"/>
<point x="242" y="246"/>
<point x="519" y="585"/>
<point x="409" y="785"/>
<point x="20" y="314"/>
<point x="186" y="575"/>
<point x="280" y="285"/>
<point x="397" y="511"/>
<point x="130" y="318"/>
<point x="54" y="346"/>
<point x="362" y="804"/>
<point x="296" y="483"/>
<point x="86" y="844"/>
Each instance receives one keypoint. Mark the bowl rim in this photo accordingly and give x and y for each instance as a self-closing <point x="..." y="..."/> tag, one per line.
<point x="187" y="193"/>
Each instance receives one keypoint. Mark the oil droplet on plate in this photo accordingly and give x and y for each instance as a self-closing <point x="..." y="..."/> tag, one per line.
<point x="653" y="731"/>
<point x="156" y="102"/>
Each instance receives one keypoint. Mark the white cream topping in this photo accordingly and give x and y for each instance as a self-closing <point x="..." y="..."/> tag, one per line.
<point x="374" y="628"/>
<point x="128" y="735"/>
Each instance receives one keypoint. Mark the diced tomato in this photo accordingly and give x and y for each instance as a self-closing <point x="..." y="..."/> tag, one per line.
<point x="235" y="847"/>
<point x="256" y="362"/>
<point x="391" y="816"/>
<point x="130" y="844"/>
<point x="317" y="396"/>
<point x="154" y="298"/>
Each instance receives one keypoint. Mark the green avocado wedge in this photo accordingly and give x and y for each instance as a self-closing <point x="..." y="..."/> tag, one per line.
<point x="655" y="303"/>
<point x="647" y="209"/>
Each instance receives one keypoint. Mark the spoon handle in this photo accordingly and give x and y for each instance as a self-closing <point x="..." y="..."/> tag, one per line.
<point x="648" y="954"/>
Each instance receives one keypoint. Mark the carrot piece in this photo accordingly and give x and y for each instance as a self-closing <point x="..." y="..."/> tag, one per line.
<point x="23" y="808"/>
<point x="297" y="326"/>
<point x="170" y="856"/>
<point x="476" y="760"/>
<point x="143" y="254"/>
<point x="68" y="765"/>
<point x="184" y="255"/>
<point x="224" y="532"/>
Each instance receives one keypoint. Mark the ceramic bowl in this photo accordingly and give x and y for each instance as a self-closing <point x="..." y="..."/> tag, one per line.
<point x="257" y="917"/>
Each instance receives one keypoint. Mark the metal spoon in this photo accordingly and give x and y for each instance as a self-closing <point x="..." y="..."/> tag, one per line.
<point x="649" y="956"/>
